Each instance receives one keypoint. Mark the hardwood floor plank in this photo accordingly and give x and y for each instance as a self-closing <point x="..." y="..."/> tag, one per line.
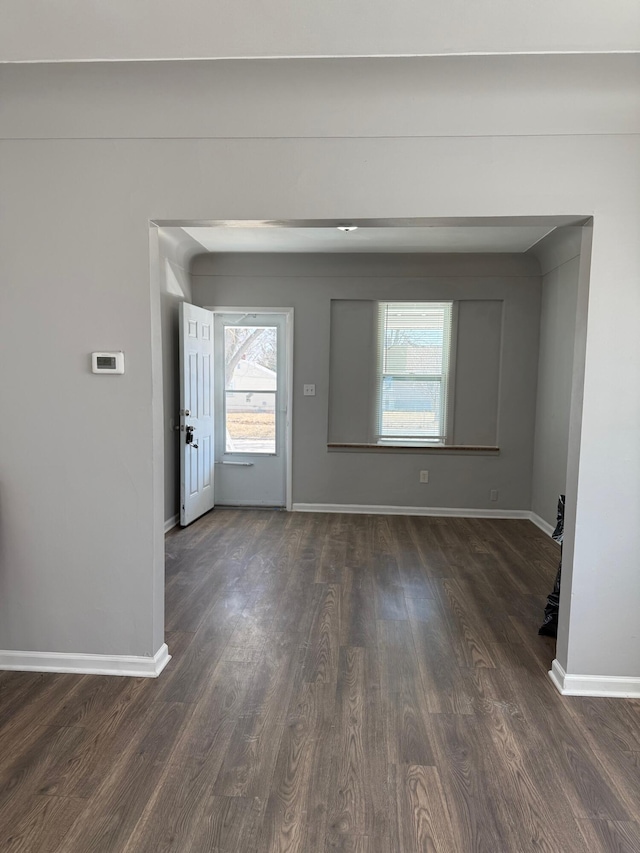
<point x="90" y="763"/>
<point x="333" y="532"/>
<point x="263" y="615"/>
<point x="321" y="657"/>
<point x="445" y="685"/>
<point x="113" y="812"/>
<point x="206" y="579"/>
<point x="358" y="803"/>
<point x="337" y="843"/>
<point x="14" y="687"/>
<point x="350" y="805"/>
<point x="291" y="803"/>
<point x="388" y="590"/>
<point x="377" y="750"/>
<point x="357" y="609"/>
<point x="460" y="744"/>
<point x="425" y="537"/>
<point x="186" y="683"/>
<point x="423" y="820"/>
<point x="408" y="740"/>
<point x="623" y="768"/>
<point x="25" y="778"/>
<point x="489" y="604"/>
<point x="513" y="555"/>
<point x="44" y="826"/>
<point x="608" y="722"/>
<point x="50" y="692"/>
<point x="249" y="761"/>
<point x="414" y="577"/>
<point x="179" y="808"/>
<point x="467" y="623"/>
<point x="229" y="825"/>
<point x="97" y="694"/>
<point x="607" y="836"/>
<point x="592" y="791"/>
<point x="527" y="792"/>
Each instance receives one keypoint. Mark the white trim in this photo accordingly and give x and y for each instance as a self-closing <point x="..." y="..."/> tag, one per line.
<point x="443" y="511"/>
<point x="170" y="523"/>
<point x="452" y="512"/>
<point x="254" y="57"/>
<point x="541" y="523"/>
<point x="253" y="503"/>
<point x="622" y="687"/>
<point x="289" y="313"/>
<point x="137" y="666"/>
<point x="449" y="416"/>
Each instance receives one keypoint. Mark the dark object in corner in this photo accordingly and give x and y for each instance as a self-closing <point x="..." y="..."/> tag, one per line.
<point x="549" y="627"/>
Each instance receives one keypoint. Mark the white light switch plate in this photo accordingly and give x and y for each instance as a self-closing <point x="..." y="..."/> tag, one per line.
<point x="309" y="390"/>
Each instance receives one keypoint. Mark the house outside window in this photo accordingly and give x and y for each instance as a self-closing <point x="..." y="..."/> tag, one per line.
<point x="413" y="383"/>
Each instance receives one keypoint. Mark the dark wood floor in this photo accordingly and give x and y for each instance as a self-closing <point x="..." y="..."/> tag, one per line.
<point x="338" y="683"/>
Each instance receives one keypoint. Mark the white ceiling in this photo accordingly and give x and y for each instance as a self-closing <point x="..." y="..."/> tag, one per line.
<point x="475" y="238"/>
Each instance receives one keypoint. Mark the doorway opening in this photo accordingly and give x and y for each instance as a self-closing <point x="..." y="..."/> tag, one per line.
<point x="234" y="393"/>
<point x="252" y="405"/>
<point x="335" y="275"/>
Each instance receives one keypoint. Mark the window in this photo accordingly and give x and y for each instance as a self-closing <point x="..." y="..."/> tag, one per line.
<point x="412" y="387"/>
<point x="250" y="388"/>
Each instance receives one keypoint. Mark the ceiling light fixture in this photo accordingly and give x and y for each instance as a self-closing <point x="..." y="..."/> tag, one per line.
<point x="347" y="228"/>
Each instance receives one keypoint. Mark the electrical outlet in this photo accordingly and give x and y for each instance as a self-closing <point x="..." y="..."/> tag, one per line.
<point x="424" y="476"/>
<point x="309" y="391"/>
<point x="493" y="495"/>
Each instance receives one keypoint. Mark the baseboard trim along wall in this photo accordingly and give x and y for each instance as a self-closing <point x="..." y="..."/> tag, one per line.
<point x="170" y="523"/>
<point x="145" y="667"/>
<point x="442" y="511"/>
<point x="541" y="523"/>
<point x="594" y="685"/>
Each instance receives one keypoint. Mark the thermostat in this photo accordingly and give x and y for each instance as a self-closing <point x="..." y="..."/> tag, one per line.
<point x="107" y="362"/>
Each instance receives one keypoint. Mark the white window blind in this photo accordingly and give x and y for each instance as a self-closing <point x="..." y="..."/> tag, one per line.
<point x="414" y="342"/>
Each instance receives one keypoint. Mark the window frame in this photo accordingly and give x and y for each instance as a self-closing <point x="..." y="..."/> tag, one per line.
<point x="446" y="379"/>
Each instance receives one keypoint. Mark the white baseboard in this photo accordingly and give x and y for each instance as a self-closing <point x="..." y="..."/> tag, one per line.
<point x="145" y="667"/>
<point x="436" y="511"/>
<point x="621" y="687"/>
<point x="541" y="523"/>
<point x="252" y="504"/>
<point x="451" y="512"/>
<point x="170" y="523"/>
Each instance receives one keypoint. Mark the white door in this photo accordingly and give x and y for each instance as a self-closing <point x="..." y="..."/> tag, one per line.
<point x="251" y="409"/>
<point x="196" y="412"/>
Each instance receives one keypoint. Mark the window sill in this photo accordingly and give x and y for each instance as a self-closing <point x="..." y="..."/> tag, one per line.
<point x="415" y="448"/>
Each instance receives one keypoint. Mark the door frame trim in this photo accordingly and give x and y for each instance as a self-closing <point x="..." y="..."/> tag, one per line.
<point x="288" y="438"/>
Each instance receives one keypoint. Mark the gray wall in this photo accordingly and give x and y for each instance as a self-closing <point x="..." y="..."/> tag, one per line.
<point x="559" y="256"/>
<point x="41" y="30"/>
<point x="309" y="283"/>
<point x="90" y="154"/>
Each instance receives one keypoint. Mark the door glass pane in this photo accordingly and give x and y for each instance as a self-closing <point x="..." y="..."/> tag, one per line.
<point x="250" y="358"/>
<point x="250" y="422"/>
